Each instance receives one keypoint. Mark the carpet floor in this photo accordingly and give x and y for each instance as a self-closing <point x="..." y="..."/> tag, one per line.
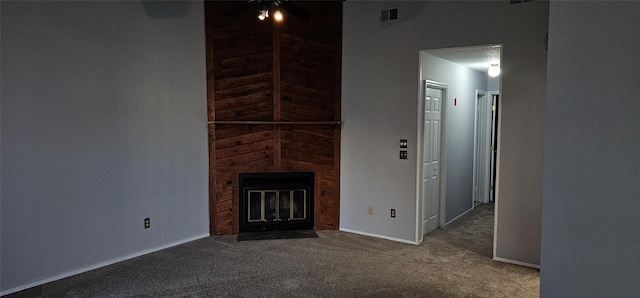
<point x="451" y="262"/>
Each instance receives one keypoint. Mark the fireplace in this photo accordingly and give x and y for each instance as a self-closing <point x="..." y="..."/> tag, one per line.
<point x="276" y="201"/>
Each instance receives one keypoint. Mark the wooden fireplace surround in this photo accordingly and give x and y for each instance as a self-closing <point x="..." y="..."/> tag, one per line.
<point x="273" y="100"/>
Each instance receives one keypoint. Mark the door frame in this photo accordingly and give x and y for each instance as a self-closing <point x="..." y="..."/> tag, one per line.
<point x="493" y="160"/>
<point x="442" y="169"/>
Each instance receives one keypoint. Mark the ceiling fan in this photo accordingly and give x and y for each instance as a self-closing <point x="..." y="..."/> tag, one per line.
<point x="275" y="7"/>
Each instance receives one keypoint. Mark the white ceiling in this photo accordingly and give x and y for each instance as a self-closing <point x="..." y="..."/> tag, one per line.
<point x="478" y="58"/>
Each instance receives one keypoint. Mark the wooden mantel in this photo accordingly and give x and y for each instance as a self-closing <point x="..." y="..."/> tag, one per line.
<point x="277" y="122"/>
<point x="273" y="103"/>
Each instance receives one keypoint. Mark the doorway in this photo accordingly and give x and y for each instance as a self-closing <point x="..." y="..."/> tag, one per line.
<point x="463" y="73"/>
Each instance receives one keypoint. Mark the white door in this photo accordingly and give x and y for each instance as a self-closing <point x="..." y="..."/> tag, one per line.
<point x="431" y="159"/>
<point x="481" y="175"/>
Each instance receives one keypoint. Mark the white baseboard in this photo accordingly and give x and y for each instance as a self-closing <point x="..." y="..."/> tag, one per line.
<point x="103" y="264"/>
<point x="516" y="262"/>
<point x="461" y="215"/>
<point x="380" y="236"/>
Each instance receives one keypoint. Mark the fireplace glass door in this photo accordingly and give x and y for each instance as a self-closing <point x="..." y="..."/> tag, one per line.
<point x="276" y="205"/>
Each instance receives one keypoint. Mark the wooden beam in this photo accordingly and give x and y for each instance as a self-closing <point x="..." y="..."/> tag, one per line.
<point x="209" y="30"/>
<point x="249" y="122"/>
<point x="277" y="156"/>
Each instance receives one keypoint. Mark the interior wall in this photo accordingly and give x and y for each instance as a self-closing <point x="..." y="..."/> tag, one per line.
<point x="493" y="84"/>
<point x="103" y="125"/>
<point x="591" y="229"/>
<point x="0" y="150"/>
<point x="380" y="87"/>
<point x="462" y="83"/>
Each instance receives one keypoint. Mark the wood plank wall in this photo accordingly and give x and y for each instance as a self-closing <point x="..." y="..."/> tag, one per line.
<point x="273" y="102"/>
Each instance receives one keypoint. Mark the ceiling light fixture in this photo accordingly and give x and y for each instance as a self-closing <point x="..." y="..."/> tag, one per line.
<point x="263" y="13"/>
<point x="494" y="70"/>
<point x="277" y="14"/>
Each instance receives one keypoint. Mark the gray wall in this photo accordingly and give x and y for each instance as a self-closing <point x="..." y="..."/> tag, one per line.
<point x="462" y="83"/>
<point x="493" y="84"/>
<point x="380" y="86"/>
<point x="0" y="150"/>
<point x="591" y="227"/>
<point x="103" y="124"/>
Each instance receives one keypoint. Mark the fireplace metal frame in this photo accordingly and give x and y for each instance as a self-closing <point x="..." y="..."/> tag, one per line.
<point x="275" y="182"/>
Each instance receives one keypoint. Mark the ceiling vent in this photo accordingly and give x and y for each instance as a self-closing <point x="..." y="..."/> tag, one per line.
<point x="388" y="14"/>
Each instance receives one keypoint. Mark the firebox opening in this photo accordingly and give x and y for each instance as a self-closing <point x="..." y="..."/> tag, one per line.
<point x="278" y="201"/>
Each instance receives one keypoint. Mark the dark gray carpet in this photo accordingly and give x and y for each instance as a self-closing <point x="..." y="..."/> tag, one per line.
<point x="451" y="262"/>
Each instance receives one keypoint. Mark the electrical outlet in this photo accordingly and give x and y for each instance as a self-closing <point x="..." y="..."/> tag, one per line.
<point x="393" y="213"/>
<point x="404" y="143"/>
<point x="403" y="154"/>
<point x="147" y="223"/>
<point x="371" y="210"/>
